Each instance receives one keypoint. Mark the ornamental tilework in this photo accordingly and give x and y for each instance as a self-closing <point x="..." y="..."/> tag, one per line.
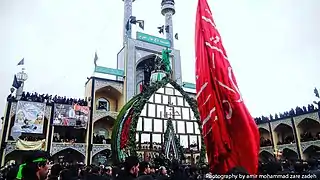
<point x="57" y="147"/>
<point x="292" y="147"/>
<point x="98" y="114"/>
<point x="275" y="124"/>
<point x="177" y="67"/>
<point x="268" y="149"/>
<point x="130" y="70"/>
<point x="141" y="54"/>
<point x="300" y="118"/>
<point x="264" y="126"/>
<point x="97" y="148"/>
<point x="100" y="84"/>
<point x="10" y="147"/>
<point x="144" y="45"/>
<point x="127" y="14"/>
<point x="13" y="109"/>
<point x="168" y="22"/>
<point x="306" y="145"/>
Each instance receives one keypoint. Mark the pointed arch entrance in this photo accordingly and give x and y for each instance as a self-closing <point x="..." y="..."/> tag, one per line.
<point x="312" y="152"/>
<point x="308" y="130"/>
<point x="68" y="155"/>
<point x="107" y="98"/>
<point x="17" y="156"/>
<point x="102" y="158"/>
<point x="143" y="71"/>
<point x="289" y="154"/>
<point x="266" y="156"/>
<point x="102" y="129"/>
<point x="284" y="134"/>
<point x="265" y="137"/>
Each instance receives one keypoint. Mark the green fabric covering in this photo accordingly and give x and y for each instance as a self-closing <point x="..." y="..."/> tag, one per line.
<point x="176" y="140"/>
<point x="117" y="128"/>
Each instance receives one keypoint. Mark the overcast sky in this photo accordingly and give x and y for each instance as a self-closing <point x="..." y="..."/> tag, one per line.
<point x="273" y="45"/>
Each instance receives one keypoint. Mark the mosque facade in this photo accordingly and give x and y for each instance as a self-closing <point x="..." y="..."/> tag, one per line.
<point x="83" y="133"/>
<point x="106" y="97"/>
<point x="292" y="137"/>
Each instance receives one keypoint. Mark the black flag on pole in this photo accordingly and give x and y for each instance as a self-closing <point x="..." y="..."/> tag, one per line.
<point x="16" y="84"/>
<point x="316" y="92"/>
<point x="21" y="62"/>
<point x="95" y="59"/>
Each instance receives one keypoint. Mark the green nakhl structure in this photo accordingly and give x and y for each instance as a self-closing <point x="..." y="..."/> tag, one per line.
<point x="172" y="148"/>
<point x="124" y="131"/>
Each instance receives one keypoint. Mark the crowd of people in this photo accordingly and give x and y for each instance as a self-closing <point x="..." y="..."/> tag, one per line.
<point x="265" y="142"/>
<point x="70" y="136"/>
<point x="293" y="166"/>
<point x="100" y="139"/>
<point x="50" y="99"/>
<point x="57" y="139"/>
<point x="37" y="166"/>
<point x="298" y="111"/>
<point x="307" y="136"/>
<point x="287" y="140"/>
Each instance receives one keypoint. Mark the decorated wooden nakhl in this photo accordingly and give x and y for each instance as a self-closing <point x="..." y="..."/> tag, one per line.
<point x="123" y="142"/>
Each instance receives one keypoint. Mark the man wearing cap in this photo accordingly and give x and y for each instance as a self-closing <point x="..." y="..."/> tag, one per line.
<point x="131" y="169"/>
<point x="35" y="166"/>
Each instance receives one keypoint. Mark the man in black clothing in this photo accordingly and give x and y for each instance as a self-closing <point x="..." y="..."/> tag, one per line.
<point x="162" y="174"/>
<point x="131" y="169"/>
<point x="178" y="173"/>
<point x="144" y="171"/>
<point x="55" y="171"/>
<point x="95" y="174"/>
<point x="35" y="166"/>
<point x="144" y="168"/>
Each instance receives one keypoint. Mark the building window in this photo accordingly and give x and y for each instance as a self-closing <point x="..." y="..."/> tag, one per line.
<point x="103" y="104"/>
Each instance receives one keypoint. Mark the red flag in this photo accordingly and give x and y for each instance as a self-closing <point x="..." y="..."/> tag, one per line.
<point x="230" y="133"/>
<point x="141" y="87"/>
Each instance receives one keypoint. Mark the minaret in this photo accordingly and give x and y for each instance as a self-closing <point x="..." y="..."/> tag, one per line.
<point x="168" y="10"/>
<point x="127" y="33"/>
<point x="21" y="77"/>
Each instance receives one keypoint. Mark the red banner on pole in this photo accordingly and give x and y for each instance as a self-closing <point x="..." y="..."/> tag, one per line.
<point x="230" y="133"/>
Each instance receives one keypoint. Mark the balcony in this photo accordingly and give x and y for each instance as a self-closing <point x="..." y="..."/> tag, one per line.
<point x="98" y="114"/>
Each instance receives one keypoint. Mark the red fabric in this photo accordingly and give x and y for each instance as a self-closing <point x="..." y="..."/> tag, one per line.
<point x="230" y="133"/>
<point x="125" y="130"/>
